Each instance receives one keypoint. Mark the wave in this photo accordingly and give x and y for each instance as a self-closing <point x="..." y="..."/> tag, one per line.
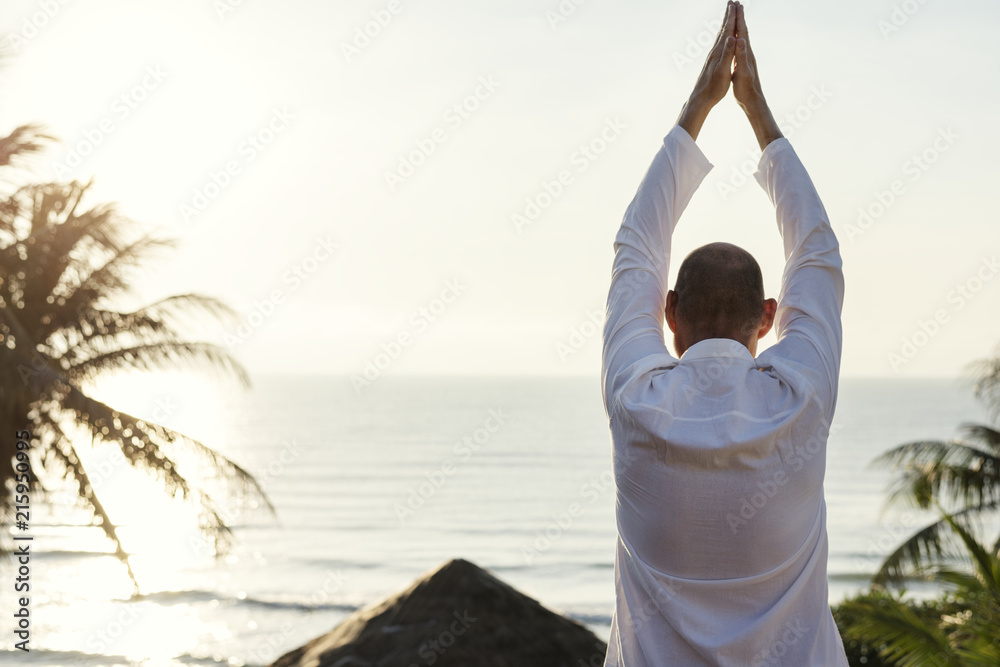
<point x="68" y="554"/>
<point x="589" y="619"/>
<point x="560" y="566"/>
<point x="168" y="598"/>
<point x="45" y="657"/>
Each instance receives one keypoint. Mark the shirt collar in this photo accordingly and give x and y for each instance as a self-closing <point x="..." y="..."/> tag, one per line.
<point x="718" y="347"/>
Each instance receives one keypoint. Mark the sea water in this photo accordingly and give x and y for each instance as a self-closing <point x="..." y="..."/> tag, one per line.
<point x="373" y="488"/>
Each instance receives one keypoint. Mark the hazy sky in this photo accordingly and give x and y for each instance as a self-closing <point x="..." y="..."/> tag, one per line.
<point x="355" y="195"/>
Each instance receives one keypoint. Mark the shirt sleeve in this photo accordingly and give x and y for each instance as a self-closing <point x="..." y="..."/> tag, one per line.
<point x="808" y="320"/>
<point x="633" y="328"/>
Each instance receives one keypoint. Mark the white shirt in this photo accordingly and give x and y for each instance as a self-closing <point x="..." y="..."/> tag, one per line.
<point x="719" y="458"/>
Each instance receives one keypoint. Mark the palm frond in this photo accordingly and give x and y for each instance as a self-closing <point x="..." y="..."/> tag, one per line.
<point x="900" y="634"/>
<point x="952" y="471"/>
<point x="926" y="548"/>
<point x="65" y="268"/>
<point x="154" y="447"/>
<point x="98" y="332"/>
<point x="986" y="565"/>
<point x="96" y="281"/>
<point x="23" y="141"/>
<point x="986" y="382"/>
<point x="987" y="435"/>
<point x="64" y="451"/>
<point x="159" y="356"/>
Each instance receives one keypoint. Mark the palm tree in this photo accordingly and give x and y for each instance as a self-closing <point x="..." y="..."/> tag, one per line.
<point x="961" y="474"/>
<point x="958" y="630"/>
<point x="64" y="270"/>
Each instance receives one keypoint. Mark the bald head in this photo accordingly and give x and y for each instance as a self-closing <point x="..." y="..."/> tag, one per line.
<point x="719" y="294"/>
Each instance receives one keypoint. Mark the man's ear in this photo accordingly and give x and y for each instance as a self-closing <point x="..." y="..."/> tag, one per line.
<point x="767" y="319"/>
<point x="671" y="310"/>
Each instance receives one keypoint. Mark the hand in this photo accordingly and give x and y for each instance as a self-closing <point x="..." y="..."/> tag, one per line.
<point x="746" y="82"/>
<point x="716" y="75"/>
<point x="713" y="83"/>
<point x="746" y="86"/>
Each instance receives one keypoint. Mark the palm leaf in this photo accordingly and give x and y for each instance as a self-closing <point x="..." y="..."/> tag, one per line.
<point x="986" y="386"/>
<point x="158" y="356"/>
<point x="927" y="547"/>
<point x="987" y="566"/>
<point x="953" y="471"/>
<point x="900" y="634"/>
<point x="23" y="141"/>
<point x="101" y="331"/>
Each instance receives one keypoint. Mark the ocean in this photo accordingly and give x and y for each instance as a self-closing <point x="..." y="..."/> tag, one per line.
<point x="372" y="489"/>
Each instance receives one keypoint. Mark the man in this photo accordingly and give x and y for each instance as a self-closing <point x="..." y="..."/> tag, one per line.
<point x="719" y="456"/>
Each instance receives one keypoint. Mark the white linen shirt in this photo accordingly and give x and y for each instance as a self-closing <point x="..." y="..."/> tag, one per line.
<point x="719" y="458"/>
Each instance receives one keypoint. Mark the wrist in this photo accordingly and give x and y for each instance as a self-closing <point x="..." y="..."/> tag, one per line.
<point x="756" y="108"/>
<point x="762" y="121"/>
<point x="693" y="115"/>
<point x="700" y="103"/>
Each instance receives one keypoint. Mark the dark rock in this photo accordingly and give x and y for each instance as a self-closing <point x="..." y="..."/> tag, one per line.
<point x="456" y="616"/>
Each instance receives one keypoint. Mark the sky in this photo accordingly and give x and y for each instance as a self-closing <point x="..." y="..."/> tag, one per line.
<point x="434" y="186"/>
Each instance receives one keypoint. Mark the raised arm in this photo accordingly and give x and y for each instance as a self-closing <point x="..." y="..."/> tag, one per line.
<point x="633" y="330"/>
<point x="808" y="319"/>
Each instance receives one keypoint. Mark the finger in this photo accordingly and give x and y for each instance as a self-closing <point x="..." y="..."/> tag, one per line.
<point x="728" y="53"/>
<point x="744" y="63"/>
<point x="741" y="23"/>
<point x="727" y="27"/>
<point x="729" y="50"/>
<point x="723" y="66"/>
<point x="730" y="25"/>
<point x="730" y="8"/>
<point x="741" y="52"/>
<point x="742" y="33"/>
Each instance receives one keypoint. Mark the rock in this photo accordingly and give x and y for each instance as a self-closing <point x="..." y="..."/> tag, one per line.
<point x="456" y="616"/>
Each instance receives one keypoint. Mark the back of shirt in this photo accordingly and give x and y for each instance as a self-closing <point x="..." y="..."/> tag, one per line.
<point x="719" y="458"/>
